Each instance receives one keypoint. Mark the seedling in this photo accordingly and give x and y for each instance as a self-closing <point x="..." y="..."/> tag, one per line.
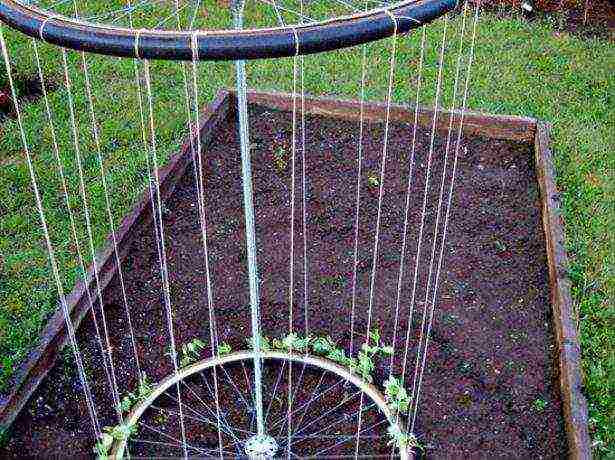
<point x="265" y="343"/>
<point x="396" y="395"/>
<point x="540" y="405"/>
<point x="292" y="342"/>
<point x="499" y="246"/>
<point x="373" y="180"/>
<point x="365" y="366"/>
<point x="144" y="389"/>
<point x="323" y="345"/>
<point x="224" y="349"/>
<point x="119" y="432"/>
<point x="279" y="160"/>
<point x="403" y="440"/>
<point x="191" y="352"/>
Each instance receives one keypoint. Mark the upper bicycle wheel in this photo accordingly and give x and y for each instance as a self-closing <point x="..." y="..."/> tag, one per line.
<point x="197" y="29"/>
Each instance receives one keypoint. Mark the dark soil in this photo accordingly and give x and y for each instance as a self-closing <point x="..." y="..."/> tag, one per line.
<point x="490" y="385"/>
<point x="587" y="19"/>
<point x="28" y="88"/>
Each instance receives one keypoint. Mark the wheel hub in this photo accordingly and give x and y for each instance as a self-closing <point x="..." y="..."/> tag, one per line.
<point x="261" y="447"/>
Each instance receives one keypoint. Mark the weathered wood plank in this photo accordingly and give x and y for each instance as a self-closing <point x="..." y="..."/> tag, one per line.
<point x="476" y="123"/>
<point x="574" y="403"/>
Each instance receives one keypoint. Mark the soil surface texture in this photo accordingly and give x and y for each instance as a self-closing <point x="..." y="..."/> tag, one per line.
<point x="489" y="386"/>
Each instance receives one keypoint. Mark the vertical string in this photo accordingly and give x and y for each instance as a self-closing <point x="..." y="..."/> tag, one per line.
<point x="438" y="212"/>
<point x="145" y="142"/>
<point x="303" y="187"/>
<point x="406" y="215"/>
<point x="292" y="240"/>
<point x="446" y="220"/>
<point x="427" y="180"/>
<point x="118" y="262"/>
<point x="355" y="261"/>
<point x="203" y="223"/>
<point x="163" y="260"/>
<point x="415" y="400"/>
<point x="50" y="251"/>
<point x="379" y="212"/>
<point x="108" y="355"/>
<point x="71" y="217"/>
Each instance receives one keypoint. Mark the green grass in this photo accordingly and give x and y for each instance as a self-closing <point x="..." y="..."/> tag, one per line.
<point x="520" y="68"/>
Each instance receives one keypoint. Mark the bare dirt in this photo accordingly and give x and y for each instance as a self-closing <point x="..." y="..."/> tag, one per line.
<point x="585" y="19"/>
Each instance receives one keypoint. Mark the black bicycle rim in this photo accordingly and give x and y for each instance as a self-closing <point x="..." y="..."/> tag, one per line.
<point x="221" y="45"/>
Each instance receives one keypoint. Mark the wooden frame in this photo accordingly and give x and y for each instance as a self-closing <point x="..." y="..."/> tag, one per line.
<point x="524" y="129"/>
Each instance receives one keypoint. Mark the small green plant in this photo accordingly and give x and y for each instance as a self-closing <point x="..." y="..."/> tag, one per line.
<point x="278" y="159"/>
<point x="339" y="356"/>
<point x="323" y="345"/>
<point x="333" y="282"/>
<point x="540" y="405"/>
<point x="501" y="247"/>
<point x="224" y="349"/>
<point x="372" y="180"/>
<point x="4" y="436"/>
<point x="396" y="395"/>
<point x="265" y="343"/>
<point x="160" y="418"/>
<point x="369" y="350"/>
<point x="144" y="389"/>
<point x="403" y="440"/>
<point x="363" y="364"/>
<point x="119" y="432"/>
<point x="292" y="342"/>
<point x="102" y="446"/>
<point x="191" y="352"/>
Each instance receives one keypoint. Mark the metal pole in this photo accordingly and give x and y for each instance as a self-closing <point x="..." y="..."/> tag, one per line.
<point x="240" y="72"/>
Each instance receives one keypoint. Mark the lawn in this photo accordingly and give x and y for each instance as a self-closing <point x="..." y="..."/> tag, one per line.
<point x="520" y="68"/>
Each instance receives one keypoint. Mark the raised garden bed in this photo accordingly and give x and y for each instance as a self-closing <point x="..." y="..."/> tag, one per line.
<point x="502" y="371"/>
